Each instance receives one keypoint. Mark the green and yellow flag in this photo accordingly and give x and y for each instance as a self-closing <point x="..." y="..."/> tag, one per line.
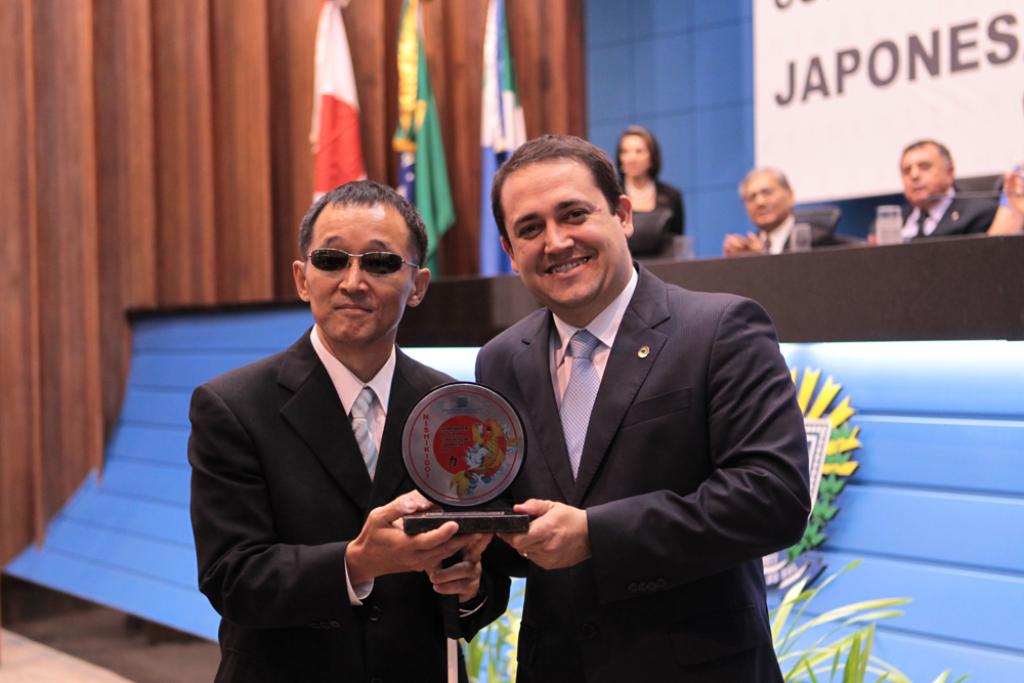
<point x="422" y="171"/>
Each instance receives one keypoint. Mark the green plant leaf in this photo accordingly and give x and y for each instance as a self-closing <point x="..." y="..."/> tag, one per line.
<point x="847" y="610"/>
<point x="782" y="612"/>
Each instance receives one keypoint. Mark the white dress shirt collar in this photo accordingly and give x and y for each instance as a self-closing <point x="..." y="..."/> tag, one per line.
<point x="604" y="326"/>
<point x="347" y="384"/>
<point x="935" y="214"/>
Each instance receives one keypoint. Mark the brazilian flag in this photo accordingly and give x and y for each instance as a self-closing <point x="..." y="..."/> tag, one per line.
<point x="423" y="173"/>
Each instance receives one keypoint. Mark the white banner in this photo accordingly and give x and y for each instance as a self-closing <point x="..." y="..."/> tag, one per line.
<point x="841" y="86"/>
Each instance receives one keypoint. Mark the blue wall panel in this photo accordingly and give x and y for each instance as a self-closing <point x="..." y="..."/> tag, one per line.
<point x="683" y="70"/>
<point x="909" y="523"/>
<point x="930" y="452"/>
<point x="949" y="379"/>
<point x="663" y="72"/>
<point x="949" y="603"/>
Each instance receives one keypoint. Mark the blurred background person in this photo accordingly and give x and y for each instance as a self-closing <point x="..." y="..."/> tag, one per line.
<point x="769" y="201"/>
<point x="933" y="207"/>
<point x="659" y="215"/>
<point x="1009" y="219"/>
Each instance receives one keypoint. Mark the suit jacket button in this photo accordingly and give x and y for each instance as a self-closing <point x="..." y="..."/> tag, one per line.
<point x="375" y="613"/>
<point x="588" y="631"/>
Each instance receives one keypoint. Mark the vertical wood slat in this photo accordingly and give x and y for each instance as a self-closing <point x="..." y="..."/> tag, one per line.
<point x="291" y="36"/>
<point x="72" y="438"/>
<point x="126" y="187"/>
<point x="241" y="131"/>
<point x="567" y="96"/>
<point x="372" y="29"/>
<point x="21" y="513"/>
<point x="184" y="153"/>
<point x="453" y="34"/>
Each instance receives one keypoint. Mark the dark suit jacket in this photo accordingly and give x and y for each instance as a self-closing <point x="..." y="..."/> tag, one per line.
<point x="653" y="230"/>
<point x="965" y="216"/>
<point x="694" y="467"/>
<point x="670" y="198"/>
<point x="279" y="487"/>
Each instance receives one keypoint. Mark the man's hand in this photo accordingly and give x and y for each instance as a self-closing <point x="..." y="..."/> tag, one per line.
<point x="1013" y="186"/>
<point x="463" y="577"/>
<point x="743" y="245"/>
<point x="382" y="547"/>
<point x="558" y="535"/>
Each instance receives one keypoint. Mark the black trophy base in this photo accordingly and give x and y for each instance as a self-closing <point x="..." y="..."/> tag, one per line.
<point x="469" y="521"/>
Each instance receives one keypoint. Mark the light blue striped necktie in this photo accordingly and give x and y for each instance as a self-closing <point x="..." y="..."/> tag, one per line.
<point x="580" y="392"/>
<point x="360" y="416"/>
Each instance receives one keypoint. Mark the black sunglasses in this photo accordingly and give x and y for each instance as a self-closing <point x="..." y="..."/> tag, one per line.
<point x="375" y="262"/>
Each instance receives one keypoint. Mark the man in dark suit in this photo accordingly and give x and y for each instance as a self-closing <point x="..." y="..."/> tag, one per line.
<point x="666" y="449"/>
<point x="934" y="209"/>
<point x="769" y="200"/>
<point x="299" y="548"/>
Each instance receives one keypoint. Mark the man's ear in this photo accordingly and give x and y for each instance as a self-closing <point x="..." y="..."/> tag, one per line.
<point x="301" y="284"/>
<point x="624" y="211"/>
<point x="506" y="246"/>
<point x="421" y="280"/>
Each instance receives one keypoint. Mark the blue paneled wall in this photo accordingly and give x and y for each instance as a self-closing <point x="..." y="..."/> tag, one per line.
<point x="682" y="69"/>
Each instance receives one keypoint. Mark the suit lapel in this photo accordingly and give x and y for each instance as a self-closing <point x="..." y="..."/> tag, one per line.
<point x="391" y="473"/>
<point x="532" y="366"/>
<point x="636" y="350"/>
<point x="316" y="414"/>
<point x="950" y="221"/>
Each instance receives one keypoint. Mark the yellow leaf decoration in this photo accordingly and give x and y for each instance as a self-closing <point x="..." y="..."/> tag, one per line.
<point x="825" y="396"/>
<point x="807" y="388"/>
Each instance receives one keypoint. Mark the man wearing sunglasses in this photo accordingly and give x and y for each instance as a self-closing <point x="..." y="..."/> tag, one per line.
<point x="298" y="481"/>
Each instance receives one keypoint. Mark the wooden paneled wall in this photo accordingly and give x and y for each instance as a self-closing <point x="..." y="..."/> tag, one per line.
<point x="155" y="154"/>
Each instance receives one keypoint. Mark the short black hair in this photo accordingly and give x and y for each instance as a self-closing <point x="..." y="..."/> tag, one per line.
<point x="366" y="193"/>
<point x="943" y="150"/>
<point x="552" y="148"/>
<point x="653" y="149"/>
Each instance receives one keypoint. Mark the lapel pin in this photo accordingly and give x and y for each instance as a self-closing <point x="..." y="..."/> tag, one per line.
<point x="956" y="215"/>
<point x="644" y="351"/>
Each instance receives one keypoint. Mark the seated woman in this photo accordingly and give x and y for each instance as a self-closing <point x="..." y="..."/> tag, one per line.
<point x="658" y="213"/>
<point x="1009" y="218"/>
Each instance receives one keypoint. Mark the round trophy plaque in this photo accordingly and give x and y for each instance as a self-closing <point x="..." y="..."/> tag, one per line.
<point x="463" y="445"/>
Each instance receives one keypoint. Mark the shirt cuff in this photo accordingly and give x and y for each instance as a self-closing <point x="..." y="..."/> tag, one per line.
<point x="356" y="594"/>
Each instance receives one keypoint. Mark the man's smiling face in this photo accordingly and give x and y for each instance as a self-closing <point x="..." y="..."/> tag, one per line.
<point x="567" y="245"/>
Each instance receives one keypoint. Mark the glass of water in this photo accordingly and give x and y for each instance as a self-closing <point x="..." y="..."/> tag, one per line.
<point x="888" y="224"/>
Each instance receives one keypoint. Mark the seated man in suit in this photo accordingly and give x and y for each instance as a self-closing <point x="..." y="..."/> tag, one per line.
<point x="769" y="201"/>
<point x="295" y="459"/>
<point x="667" y="452"/>
<point x="933" y="209"/>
